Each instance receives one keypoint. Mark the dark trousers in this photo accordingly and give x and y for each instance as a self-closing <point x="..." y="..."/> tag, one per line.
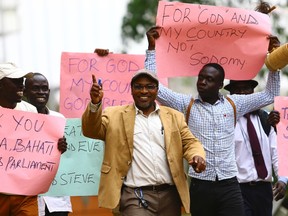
<point x="47" y="213"/>
<point x="160" y="203"/>
<point x="258" y="198"/>
<point x="216" y="198"/>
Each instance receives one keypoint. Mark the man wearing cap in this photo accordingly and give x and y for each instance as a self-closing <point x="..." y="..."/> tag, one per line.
<point x="11" y="93"/>
<point x="256" y="190"/>
<point x="144" y="146"/>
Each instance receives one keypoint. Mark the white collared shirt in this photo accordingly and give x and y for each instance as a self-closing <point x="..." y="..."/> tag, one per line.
<point x="149" y="164"/>
<point x="245" y="163"/>
<point x="54" y="203"/>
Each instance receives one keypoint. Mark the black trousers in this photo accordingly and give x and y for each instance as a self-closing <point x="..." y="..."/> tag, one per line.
<point x="258" y="198"/>
<point x="47" y="213"/>
<point x="216" y="198"/>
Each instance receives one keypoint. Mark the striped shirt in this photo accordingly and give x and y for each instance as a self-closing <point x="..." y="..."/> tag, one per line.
<point x="213" y="124"/>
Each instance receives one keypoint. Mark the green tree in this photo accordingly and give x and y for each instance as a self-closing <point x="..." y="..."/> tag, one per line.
<point x="140" y="16"/>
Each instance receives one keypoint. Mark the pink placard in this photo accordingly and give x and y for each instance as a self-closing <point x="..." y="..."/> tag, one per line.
<point x="281" y="105"/>
<point x="29" y="157"/>
<point x="193" y="35"/>
<point x="115" y="71"/>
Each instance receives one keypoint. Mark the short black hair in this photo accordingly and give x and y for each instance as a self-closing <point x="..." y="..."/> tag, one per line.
<point x="218" y="67"/>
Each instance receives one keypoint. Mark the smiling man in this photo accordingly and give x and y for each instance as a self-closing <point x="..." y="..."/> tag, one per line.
<point x="37" y="92"/>
<point x="144" y="146"/>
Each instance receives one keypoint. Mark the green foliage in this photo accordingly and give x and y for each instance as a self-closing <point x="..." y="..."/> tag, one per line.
<point x="140" y="16"/>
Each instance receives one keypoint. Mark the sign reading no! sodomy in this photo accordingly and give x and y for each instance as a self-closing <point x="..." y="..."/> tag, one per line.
<point x="194" y="35"/>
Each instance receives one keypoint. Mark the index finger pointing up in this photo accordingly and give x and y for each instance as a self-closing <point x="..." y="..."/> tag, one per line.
<point x="94" y="79"/>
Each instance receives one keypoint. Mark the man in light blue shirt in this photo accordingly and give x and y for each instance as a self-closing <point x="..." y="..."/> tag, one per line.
<point x="212" y="118"/>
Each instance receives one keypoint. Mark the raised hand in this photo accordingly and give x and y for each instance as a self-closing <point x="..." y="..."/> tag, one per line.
<point x="274" y="43"/>
<point x="96" y="93"/>
<point x="152" y="34"/>
<point x="101" y="52"/>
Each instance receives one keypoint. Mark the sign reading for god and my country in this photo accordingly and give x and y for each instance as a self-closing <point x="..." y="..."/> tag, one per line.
<point x="193" y="35"/>
<point x="29" y="156"/>
<point x="114" y="70"/>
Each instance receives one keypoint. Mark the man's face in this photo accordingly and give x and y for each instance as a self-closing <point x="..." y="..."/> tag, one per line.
<point x="12" y="90"/>
<point x="209" y="82"/>
<point x="144" y="92"/>
<point x="241" y="88"/>
<point x="37" y="91"/>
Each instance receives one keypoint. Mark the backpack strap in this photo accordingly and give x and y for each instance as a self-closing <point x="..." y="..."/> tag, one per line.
<point x="188" y="110"/>
<point x="263" y="115"/>
<point x="192" y="101"/>
<point x="234" y="108"/>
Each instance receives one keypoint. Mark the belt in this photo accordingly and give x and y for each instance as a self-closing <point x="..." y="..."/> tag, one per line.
<point x="254" y="183"/>
<point x="217" y="181"/>
<point x="161" y="187"/>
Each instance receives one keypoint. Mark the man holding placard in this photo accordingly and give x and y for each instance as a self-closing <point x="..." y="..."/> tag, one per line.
<point x="212" y="118"/>
<point x="37" y="92"/>
<point x="11" y="93"/>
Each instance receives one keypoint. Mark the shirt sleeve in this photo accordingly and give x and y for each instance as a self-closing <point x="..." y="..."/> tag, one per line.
<point x="94" y="107"/>
<point x="251" y="102"/>
<point x="166" y="96"/>
<point x="150" y="61"/>
<point x="273" y="149"/>
<point x="283" y="179"/>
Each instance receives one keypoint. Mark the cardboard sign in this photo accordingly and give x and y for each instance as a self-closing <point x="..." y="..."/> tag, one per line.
<point x="114" y="70"/>
<point x="281" y="105"/>
<point x="79" y="170"/>
<point x="29" y="157"/>
<point x="194" y="35"/>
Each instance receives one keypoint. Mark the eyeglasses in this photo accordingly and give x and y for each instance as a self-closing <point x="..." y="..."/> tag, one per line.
<point x="149" y="87"/>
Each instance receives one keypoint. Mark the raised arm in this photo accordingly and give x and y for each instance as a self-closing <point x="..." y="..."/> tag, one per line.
<point x="152" y="35"/>
<point x="91" y="118"/>
<point x="165" y="96"/>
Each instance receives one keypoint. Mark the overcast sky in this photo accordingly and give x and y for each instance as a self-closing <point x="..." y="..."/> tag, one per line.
<point x="45" y="28"/>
